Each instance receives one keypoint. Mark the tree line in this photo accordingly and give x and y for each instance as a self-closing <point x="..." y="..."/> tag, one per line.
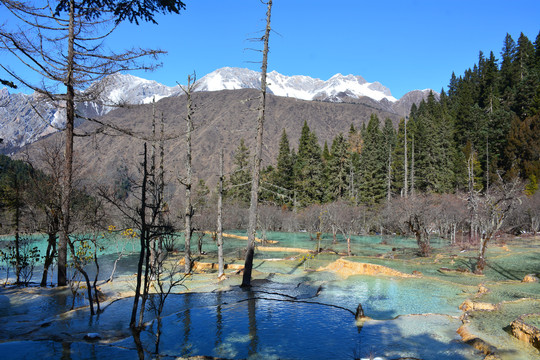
<point x="488" y="121"/>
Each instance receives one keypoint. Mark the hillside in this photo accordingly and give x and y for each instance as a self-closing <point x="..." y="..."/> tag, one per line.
<point x="222" y="118"/>
<point x="25" y="118"/>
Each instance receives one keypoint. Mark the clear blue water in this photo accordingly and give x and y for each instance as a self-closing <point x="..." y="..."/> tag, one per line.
<point x="237" y="324"/>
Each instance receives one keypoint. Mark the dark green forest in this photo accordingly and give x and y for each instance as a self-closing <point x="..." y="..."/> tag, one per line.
<point x="486" y="126"/>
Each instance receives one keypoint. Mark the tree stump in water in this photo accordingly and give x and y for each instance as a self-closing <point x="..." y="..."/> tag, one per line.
<point x="359" y="312"/>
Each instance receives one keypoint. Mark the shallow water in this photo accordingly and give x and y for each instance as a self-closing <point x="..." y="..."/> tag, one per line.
<point x="292" y="311"/>
<point x="245" y="324"/>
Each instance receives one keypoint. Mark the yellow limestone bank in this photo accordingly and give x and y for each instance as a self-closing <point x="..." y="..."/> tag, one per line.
<point x="240" y="237"/>
<point x="347" y="268"/>
<point x="200" y="266"/>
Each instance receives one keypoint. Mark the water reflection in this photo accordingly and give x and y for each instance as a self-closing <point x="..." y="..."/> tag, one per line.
<point x="187" y="324"/>
<point x="252" y="315"/>
<point x="219" y="321"/>
<point x="272" y="320"/>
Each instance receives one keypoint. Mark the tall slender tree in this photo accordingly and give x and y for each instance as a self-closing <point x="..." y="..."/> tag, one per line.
<point x="338" y="170"/>
<point x="187" y="181"/>
<point x="63" y="44"/>
<point x="252" y="222"/>
<point x="372" y="185"/>
<point x="308" y="168"/>
<point x="240" y="179"/>
<point x="284" y="167"/>
<point x="389" y="138"/>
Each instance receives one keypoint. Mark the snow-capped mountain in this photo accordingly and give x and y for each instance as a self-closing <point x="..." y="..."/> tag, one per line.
<point x="300" y="87"/>
<point x="20" y="124"/>
<point x="121" y="89"/>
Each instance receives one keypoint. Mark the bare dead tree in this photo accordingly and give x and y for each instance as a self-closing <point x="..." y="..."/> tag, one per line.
<point x="405" y="165"/>
<point x="415" y="212"/>
<point x="473" y="198"/>
<point x="256" y="173"/>
<point x="148" y="218"/>
<point x="167" y="278"/>
<point x="187" y="180"/>
<point x="344" y="219"/>
<point x="64" y="45"/>
<point x="494" y="208"/>
<point x="45" y="199"/>
<point x="219" y="230"/>
<point x="413" y="190"/>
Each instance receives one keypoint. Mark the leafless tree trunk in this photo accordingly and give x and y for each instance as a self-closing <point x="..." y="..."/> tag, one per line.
<point x="63" y="44"/>
<point x="495" y="207"/>
<point x="81" y="270"/>
<point x="68" y="170"/>
<point x="143" y="241"/>
<point x="405" y="165"/>
<point x="487" y="163"/>
<point x="417" y="226"/>
<point x="473" y="199"/>
<point x="389" y="177"/>
<point x="246" y="280"/>
<point x="412" y="168"/>
<point x="49" y="254"/>
<point x="187" y="181"/>
<point x="219" y="230"/>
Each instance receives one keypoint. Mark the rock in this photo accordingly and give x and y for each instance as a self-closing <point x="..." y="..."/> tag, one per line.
<point x="459" y="270"/>
<point x="530" y="278"/>
<point x="482" y="289"/>
<point x="474" y="341"/>
<point x="92" y="336"/>
<point x="526" y="332"/>
<point x="347" y="268"/>
<point x="469" y="305"/>
<point x="202" y="266"/>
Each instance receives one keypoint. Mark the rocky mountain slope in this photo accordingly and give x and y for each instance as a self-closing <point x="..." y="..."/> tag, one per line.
<point x="222" y="118"/>
<point x="21" y="124"/>
<point x="26" y="118"/>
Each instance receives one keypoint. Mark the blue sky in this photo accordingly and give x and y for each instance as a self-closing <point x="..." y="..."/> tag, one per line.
<point x="404" y="45"/>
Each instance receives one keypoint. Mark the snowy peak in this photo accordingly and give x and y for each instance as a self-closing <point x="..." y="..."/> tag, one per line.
<point x="298" y="86"/>
<point x="121" y="88"/>
<point x="20" y="124"/>
<point x="228" y="78"/>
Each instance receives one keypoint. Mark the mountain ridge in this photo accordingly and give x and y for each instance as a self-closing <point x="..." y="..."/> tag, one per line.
<point x="222" y="118"/>
<point x="22" y="125"/>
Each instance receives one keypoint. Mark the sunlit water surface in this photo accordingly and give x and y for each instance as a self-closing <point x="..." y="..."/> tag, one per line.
<point x="293" y="315"/>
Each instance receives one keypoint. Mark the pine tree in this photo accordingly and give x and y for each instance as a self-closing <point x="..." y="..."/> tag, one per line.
<point x="508" y="78"/>
<point x="523" y="147"/>
<point x="453" y="86"/>
<point x="283" y="175"/>
<point x="528" y="78"/>
<point x="489" y="94"/>
<point x="240" y="179"/>
<point x="389" y="140"/>
<point x="372" y="174"/>
<point x="355" y="147"/>
<point x="308" y="169"/>
<point x="338" y="170"/>
<point x="433" y="132"/>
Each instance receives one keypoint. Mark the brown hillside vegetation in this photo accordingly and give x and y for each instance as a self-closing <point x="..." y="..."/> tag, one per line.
<point x="222" y="118"/>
